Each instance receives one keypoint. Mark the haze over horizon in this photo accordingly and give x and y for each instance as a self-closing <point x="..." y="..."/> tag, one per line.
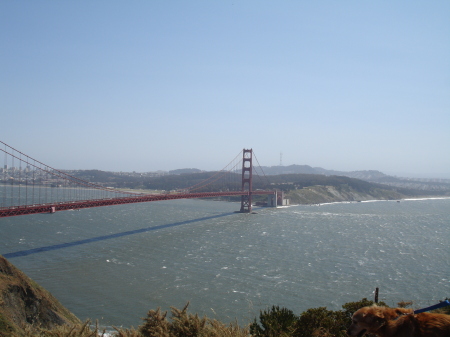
<point x="147" y="86"/>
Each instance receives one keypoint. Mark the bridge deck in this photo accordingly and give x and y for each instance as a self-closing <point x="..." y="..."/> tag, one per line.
<point x="64" y="206"/>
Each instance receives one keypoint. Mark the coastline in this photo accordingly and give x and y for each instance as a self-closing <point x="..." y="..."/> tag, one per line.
<point x="366" y="201"/>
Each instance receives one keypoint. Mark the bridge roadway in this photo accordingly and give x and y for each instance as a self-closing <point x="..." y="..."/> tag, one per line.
<point x="72" y="205"/>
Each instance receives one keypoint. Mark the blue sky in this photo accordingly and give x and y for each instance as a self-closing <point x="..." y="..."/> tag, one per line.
<point x="160" y="85"/>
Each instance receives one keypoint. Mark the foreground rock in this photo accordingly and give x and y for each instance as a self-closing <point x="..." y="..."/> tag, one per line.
<point x="26" y="305"/>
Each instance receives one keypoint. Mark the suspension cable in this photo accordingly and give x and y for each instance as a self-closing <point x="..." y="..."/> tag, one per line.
<point x="223" y="172"/>
<point x="267" y="179"/>
<point x="63" y="175"/>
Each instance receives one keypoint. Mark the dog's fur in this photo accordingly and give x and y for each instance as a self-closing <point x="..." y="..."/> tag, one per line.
<point x="398" y="322"/>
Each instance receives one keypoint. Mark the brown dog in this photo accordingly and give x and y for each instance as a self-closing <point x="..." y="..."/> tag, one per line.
<point x="388" y="322"/>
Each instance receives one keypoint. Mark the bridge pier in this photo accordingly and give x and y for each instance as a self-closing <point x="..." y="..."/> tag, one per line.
<point x="272" y="200"/>
<point x="247" y="168"/>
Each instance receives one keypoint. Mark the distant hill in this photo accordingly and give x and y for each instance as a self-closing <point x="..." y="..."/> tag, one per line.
<point x="370" y="175"/>
<point x="185" y="171"/>
<point x="442" y="185"/>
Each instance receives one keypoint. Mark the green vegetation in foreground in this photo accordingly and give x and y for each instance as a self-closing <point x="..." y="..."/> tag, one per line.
<point x="276" y="321"/>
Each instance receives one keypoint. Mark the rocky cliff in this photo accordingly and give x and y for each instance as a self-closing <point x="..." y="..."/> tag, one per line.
<point x="26" y="305"/>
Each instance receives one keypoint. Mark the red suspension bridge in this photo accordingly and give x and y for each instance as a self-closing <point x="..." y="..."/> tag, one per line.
<point x="28" y="186"/>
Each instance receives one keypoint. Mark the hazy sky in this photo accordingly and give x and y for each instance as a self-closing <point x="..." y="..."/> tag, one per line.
<point x="160" y="85"/>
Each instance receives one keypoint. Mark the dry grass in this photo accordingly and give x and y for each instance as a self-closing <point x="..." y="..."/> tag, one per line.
<point x="77" y="330"/>
<point x="156" y="324"/>
<point x="183" y="324"/>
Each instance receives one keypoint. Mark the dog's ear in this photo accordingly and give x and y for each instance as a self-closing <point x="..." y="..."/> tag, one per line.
<point x="376" y="318"/>
<point x="378" y="312"/>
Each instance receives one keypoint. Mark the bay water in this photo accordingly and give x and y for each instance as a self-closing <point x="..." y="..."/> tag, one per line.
<point x="115" y="263"/>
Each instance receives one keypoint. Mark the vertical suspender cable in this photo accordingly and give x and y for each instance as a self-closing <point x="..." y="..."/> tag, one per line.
<point x="34" y="182"/>
<point x="12" y="180"/>
<point x="5" y="167"/>
<point x="20" y="171"/>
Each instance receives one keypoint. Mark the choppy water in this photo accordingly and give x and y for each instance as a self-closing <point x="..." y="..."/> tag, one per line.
<point x="115" y="263"/>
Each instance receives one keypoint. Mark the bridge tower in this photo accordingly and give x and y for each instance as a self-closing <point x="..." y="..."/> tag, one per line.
<point x="247" y="168"/>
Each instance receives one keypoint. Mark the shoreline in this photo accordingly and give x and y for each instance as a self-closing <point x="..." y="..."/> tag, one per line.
<point x="366" y="201"/>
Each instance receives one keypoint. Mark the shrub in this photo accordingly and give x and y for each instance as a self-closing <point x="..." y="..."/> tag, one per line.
<point x="274" y="322"/>
<point x="183" y="324"/>
<point x="404" y="304"/>
<point x="155" y="324"/>
<point x="316" y="322"/>
<point x="321" y="322"/>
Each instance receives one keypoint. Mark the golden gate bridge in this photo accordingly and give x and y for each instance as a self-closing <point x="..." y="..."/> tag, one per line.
<point x="28" y="186"/>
